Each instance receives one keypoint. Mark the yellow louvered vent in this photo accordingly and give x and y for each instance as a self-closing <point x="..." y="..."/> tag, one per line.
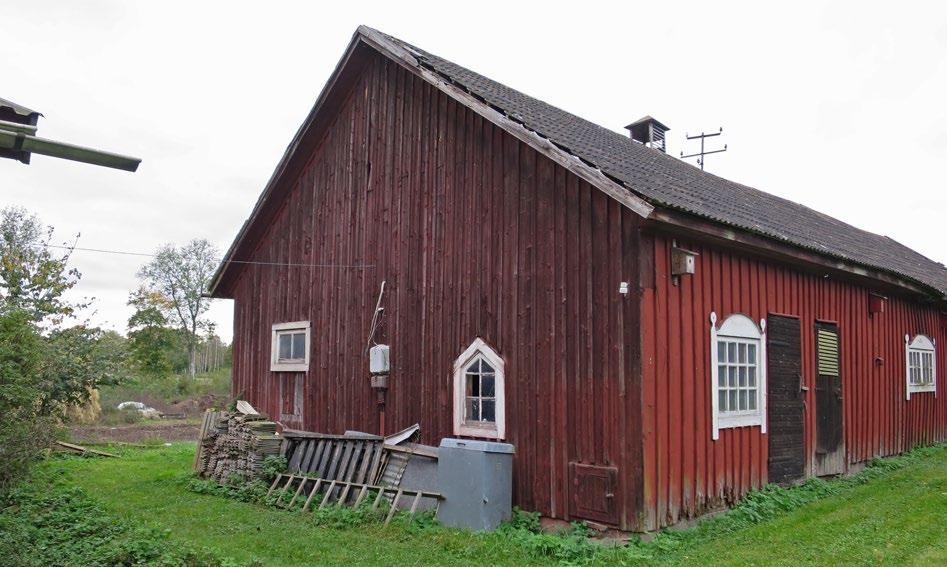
<point x="827" y="352"/>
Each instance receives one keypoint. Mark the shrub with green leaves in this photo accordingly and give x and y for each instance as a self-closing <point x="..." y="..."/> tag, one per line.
<point x="23" y="433"/>
<point x="273" y="466"/>
<point x="235" y="487"/>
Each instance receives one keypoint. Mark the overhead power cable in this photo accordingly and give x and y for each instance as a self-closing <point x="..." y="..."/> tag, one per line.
<point x="250" y="262"/>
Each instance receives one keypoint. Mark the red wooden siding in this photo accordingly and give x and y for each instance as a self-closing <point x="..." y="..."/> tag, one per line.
<point x="476" y="235"/>
<point x="686" y="472"/>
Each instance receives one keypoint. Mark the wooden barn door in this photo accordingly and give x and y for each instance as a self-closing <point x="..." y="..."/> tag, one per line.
<point x="785" y="402"/>
<point x="830" y="445"/>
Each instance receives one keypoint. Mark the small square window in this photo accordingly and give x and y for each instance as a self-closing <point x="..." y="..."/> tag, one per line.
<point x="290" y="350"/>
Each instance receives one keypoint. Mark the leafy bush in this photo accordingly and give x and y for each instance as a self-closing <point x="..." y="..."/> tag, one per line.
<point x="235" y="487"/>
<point x="523" y="520"/>
<point x="23" y="433"/>
<point x="273" y="466"/>
<point x="570" y="546"/>
<point x="45" y="367"/>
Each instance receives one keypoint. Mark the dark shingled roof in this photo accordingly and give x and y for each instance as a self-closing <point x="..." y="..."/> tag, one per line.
<point x="666" y="181"/>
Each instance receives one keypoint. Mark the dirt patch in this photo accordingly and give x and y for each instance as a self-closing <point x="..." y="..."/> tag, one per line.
<point x="197" y="406"/>
<point x="189" y="407"/>
<point x="172" y="430"/>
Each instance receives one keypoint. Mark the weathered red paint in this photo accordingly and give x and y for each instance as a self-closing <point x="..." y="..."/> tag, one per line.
<point x="686" y="472"/>
<point x="476" y="234"/>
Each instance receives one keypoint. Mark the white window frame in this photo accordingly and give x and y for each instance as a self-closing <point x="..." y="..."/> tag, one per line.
<point x="479" y="348"/>
<point x="921" y="345"/>
<point x="280" y="329"/>
<point x="741" y="328"/>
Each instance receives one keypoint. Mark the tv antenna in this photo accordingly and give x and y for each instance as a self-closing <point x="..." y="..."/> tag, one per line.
<point x="702" y="136"/>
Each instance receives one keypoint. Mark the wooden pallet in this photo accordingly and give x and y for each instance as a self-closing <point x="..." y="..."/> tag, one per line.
<point x="345" y="493"/>
<point x="345" y="458"/>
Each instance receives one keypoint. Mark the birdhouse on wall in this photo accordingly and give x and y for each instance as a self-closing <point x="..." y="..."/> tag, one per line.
<point x="876" y="303"/>
<point x="683" y="261"/>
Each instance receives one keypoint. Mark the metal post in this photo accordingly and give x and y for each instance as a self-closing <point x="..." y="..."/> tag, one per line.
<point x="702" y="136"/>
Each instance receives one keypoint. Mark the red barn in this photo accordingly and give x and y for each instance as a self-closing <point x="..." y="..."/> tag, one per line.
<point x="655" y="340"/>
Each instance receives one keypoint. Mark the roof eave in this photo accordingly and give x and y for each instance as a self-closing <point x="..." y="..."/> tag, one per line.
<point x="686" y="222"/>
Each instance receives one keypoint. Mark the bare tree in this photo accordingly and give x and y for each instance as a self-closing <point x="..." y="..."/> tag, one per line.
<point x="182" y="275"/>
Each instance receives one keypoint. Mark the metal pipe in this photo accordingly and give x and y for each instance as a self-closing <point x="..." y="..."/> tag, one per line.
<point x="20" y="141"/>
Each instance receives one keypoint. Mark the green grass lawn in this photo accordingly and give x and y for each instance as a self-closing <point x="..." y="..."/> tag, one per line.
<point x="897" y="517"/>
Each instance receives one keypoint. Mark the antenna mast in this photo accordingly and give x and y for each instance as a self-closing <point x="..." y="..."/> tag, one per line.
<point x="702" y="136"/>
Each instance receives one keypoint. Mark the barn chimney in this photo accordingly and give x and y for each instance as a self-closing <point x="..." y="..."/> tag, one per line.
<point x="649" y="132"/>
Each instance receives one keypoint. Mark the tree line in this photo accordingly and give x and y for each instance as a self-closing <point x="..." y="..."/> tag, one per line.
<point x="51" y="360"/>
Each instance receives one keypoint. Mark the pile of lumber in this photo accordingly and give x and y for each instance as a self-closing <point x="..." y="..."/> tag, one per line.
<point x="235" y="444"/>
<point x="63" y="446"/>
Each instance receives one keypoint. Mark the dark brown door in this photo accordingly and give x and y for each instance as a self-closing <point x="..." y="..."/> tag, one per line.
<point x="830" y="445"/>
<point x="785" y="401"/>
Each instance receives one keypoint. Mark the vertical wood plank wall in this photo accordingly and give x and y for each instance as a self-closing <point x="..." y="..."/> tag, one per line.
<point x="686" y="472"/>
<point x="476" y="235"/>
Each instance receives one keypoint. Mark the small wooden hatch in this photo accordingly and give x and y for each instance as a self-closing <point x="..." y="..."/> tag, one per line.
<point x="593" y="492"/>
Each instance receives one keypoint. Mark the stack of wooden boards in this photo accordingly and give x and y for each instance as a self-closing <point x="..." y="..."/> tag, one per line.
<point x="341" y="469"/>
<point x="234" y="443"/>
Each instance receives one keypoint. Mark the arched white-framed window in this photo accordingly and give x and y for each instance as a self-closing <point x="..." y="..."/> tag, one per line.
<point x="479" y="401"/>
<point x="920" y="365"/>
<point x="738" y="372"/>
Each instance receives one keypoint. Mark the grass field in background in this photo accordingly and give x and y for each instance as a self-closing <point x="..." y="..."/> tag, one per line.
<point x="894" y="515"/>
<point x="167" y="389"/>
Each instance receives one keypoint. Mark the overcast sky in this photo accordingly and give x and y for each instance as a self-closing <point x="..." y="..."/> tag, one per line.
<point x="842" y="108"/>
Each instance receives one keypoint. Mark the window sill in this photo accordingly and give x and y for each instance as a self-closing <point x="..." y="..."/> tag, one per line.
<point x="289" y="367"/>
<point x="731" y="421"/>
<point x="478" y="431"/>
<point x="923" y="389"/>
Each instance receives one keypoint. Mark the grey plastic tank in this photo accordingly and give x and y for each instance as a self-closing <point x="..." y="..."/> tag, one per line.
<point x="476" y="480"/>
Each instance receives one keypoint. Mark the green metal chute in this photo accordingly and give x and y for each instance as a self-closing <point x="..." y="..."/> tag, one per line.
<point x="20" y="137"/>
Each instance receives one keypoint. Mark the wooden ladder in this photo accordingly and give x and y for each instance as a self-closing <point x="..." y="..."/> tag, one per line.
<point x="343" y="491"/>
